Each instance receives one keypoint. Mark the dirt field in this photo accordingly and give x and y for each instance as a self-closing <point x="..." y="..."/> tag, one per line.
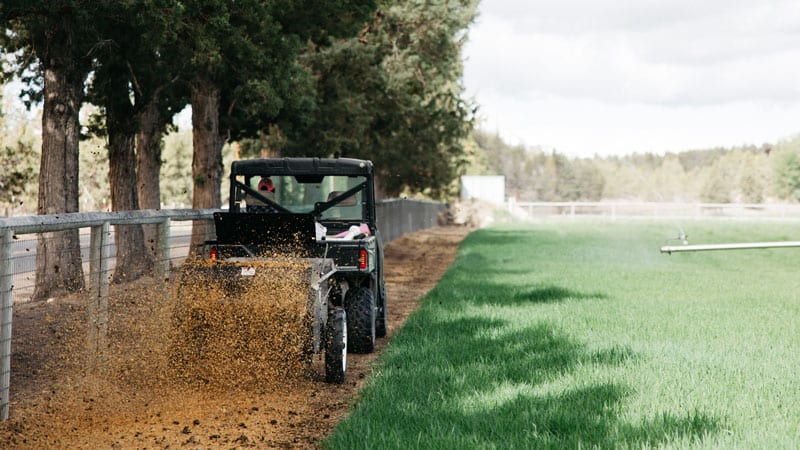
<point x="129" y="402"/>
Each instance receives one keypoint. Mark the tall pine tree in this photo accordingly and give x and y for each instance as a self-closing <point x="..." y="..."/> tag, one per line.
<point x="54" y="40"/>
<point x="392" y="94"/>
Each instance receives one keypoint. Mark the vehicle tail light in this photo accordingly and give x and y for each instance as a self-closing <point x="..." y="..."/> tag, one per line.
<point x="362" y="259"/>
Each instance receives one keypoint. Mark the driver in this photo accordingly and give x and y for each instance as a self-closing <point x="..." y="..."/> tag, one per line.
<point x="265" y="188"/>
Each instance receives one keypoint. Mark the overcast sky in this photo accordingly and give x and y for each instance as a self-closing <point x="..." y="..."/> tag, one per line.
<point x="624" y="76"/>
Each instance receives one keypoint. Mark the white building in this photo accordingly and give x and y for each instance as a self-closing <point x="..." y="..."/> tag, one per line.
<point x="489" y="188"/>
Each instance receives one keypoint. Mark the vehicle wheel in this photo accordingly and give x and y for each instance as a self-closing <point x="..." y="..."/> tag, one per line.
<point x="336" y="346"/>
<point x="381" y="319"/>
<point x="360" y="306"/>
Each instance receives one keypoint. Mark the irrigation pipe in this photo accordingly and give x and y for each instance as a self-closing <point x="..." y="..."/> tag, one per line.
<point x="740" y="246"/>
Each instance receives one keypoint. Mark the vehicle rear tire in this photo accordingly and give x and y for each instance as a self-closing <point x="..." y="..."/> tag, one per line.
<point x="380" y="321"/>
<point x="336" y="346"/>
<point x="360" y="306"/>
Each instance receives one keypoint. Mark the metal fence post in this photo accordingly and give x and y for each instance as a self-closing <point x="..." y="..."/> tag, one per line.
<point x="95" y="247"/>
<point x="98" y="300"/>
<point x="162" y="250"/>
<point x="6" y="314"/>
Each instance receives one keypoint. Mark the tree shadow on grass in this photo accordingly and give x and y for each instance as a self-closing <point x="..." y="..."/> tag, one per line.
<point x="474" y="278"/>
<point x="552" y="293"/>
<point x="494" y="237"/>
<point x="481" y="383"/>
<point x="583" y="417"/>
<point x="484" y="292"/>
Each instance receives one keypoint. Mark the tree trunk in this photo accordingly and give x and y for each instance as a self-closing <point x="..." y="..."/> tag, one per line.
<point x="58" y="255"/>
<point x="148" y="165"/>
<point x="133" y="259"/>
<point x="207" y="155"/>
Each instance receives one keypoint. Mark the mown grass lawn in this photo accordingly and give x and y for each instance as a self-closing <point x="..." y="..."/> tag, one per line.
<point x="581" y="335"/>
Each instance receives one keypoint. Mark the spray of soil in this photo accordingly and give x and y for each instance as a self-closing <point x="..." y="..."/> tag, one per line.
<point x="243" y="325"/>
<point x="219" y="334"/>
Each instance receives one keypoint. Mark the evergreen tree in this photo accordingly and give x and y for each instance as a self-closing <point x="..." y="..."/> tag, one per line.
<point x="131" y="70"/>
<point x="55" y="40"/>
<point x="392" y="94"/>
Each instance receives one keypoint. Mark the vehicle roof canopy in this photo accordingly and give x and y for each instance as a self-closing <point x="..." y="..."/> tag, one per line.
<point x="302" y="166"/>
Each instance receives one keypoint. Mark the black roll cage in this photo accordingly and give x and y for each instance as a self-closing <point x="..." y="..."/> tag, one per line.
<point x="302" y="168"/>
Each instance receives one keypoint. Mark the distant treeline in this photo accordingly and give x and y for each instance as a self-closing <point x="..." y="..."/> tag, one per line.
<point x="748" y="174"/>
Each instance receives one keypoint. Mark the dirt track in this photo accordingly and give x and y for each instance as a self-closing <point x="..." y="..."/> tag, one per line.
<point x="132" y="406"/>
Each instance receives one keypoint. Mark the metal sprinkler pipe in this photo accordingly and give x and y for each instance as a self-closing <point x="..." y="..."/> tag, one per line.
<point x="739" y="246"/>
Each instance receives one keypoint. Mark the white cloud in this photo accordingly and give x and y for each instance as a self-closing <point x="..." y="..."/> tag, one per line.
<point x="609" y="62"/>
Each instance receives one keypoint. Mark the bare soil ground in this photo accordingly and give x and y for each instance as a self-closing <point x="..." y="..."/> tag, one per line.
<point x="63" y="399"/>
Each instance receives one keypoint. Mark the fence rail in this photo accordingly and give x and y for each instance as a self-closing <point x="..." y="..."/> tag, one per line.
<point x="395" y="218"/>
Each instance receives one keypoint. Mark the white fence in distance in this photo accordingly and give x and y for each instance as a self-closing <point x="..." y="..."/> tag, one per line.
<point x="654" y="210"/>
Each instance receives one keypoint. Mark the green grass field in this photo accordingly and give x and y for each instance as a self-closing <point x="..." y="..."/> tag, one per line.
<point x="582" y="335"/>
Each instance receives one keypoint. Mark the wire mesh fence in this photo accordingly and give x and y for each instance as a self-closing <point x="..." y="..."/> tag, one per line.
<point x="23" y="259"/>
<point x="24" y="250"/>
